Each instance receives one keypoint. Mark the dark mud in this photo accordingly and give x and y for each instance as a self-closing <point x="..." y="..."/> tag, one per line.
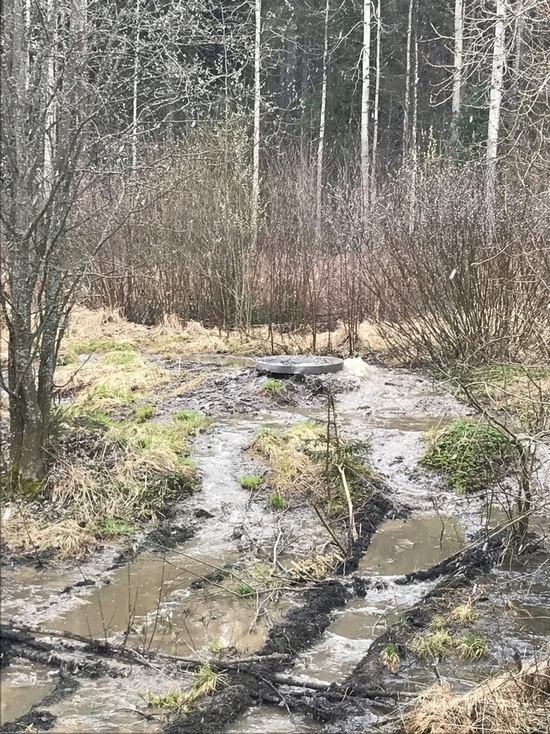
<point x="219" y="393"/>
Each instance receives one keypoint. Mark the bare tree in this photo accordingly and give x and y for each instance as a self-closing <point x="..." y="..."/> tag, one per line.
<point x="407" y="103"/>
<point x="376" y="116"/>
<point x="257" y="118"/>
<point x="66" y="79"/>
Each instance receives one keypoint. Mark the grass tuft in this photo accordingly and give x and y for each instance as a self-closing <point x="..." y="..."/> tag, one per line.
<point x="303" y="461"/>
<point x="472" y="646"/>
<point x="273" y="386"/>
<point x="250" y="481"/>
<point x="390" y="657"/>
<point x="470" y="455"/>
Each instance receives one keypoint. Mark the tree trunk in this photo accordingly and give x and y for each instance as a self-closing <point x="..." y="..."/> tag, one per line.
<point x="257" y="112"/>
<point x="495" y="100"/>
<point x="135" y="90"/>
<point x="406" y="107"/>
<point x="376" y="120"/>
<point x="322" y="125"/>
<point x="365" y="107"/>
<point x="458" y="66"/>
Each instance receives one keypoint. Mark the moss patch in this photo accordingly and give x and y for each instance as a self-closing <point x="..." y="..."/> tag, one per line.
<point x="469" y="455"/>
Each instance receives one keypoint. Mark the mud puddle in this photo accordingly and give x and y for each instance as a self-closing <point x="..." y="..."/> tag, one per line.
<point x="402" y="546"/>
<point x="271" y="720"/>
<point x="398" y="547"/>
<point x="23" y="684"/>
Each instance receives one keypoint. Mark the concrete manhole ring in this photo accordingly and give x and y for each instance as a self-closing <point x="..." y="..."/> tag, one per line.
<point x="299" y="365"/>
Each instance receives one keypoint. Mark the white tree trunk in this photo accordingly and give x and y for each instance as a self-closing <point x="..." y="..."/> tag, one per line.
<point x="257" y="110"/>
<point x="135" y="91"/>
<point x="458" y="68"/>
<point x="495" y="100"/>
<point x="406" y="107"/>
<point x="365" y="106"/>
<point x="322" y="124"/>
<point x="50" y="91"/>
<point x="376" y="119"/>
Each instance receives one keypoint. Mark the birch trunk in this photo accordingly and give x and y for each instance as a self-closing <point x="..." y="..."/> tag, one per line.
<point x="376" y="119"/>
<point x="322" y="124"/>
<point x="458" y="68"/>
<point x="365" y="106"/>
<point x="257" y="110"/>
<point x="495" y="100"/>
<point x="135" y="90"/>
<point x="406" y="108"/>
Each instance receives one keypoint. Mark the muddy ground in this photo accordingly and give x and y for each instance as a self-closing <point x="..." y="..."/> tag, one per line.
<point x="230" y="580"/>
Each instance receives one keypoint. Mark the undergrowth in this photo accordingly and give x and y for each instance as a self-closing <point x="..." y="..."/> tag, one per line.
<point x="469" y="455"/>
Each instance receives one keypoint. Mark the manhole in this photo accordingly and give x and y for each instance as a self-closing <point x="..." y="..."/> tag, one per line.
<point x="299" y="365"/>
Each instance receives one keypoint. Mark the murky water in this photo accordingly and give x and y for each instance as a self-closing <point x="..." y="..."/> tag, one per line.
<point x="23" y="684"/>
<point x="402" y="546"/>
<point x="152" y="597"/>
<point x="271" y="720"/>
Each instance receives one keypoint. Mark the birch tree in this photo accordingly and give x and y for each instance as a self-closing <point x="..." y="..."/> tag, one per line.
<point x="495" y="101"/>
<point x="458" y="68"/>
<point x="376" y="115"/>
<point x="407" y="104"/>
<point x="322" y="127"/>
<point x="365" y="105"/>
<point x="257" y="117"/>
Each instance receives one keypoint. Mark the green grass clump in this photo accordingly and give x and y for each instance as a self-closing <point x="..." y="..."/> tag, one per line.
<point x="250" y="482"/>
<point x="472" y="646"/>
<point x="273" y="386"/>
<point x="276" y="501"/>
<point x="245" y="590"/>
<point x="190" y="421"/>
<point x="469" y="455"/>
<point x="143" y="413"/>
<point x="112" y="527"/>
<point x="390" y="657"/>
<point x="120" y="357"/>
<point x="90" y="346"/>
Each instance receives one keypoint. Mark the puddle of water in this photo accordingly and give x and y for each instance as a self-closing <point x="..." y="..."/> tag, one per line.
<point x="113" y="704"/>
<point x="23" y="684"/>
<point x="137" y="589"/>
<point x="271" y="720"/>
<point x="354" y="628"/>
<point x="402" y="546"/>
<point x="206" y="621"/>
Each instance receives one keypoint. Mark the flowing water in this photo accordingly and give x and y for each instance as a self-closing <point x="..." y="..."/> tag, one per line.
<point x="153" y="601"/>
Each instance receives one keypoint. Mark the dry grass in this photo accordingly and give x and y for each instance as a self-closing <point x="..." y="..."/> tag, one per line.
<point x="515" y="702"/>
<point x="119" y="378"/>
<point x="304" y="461"/>
<point x="97" y="330"/>
<point x="63" y="539"/>
<point x="315" y="568"/>
<point x="290" y="453"/>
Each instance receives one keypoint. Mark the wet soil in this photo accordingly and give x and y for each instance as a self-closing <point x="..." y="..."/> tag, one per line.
<point x="178" y="589"/>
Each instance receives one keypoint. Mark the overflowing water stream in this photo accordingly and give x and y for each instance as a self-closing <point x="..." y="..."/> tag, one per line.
<point x="154" y="600"/>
